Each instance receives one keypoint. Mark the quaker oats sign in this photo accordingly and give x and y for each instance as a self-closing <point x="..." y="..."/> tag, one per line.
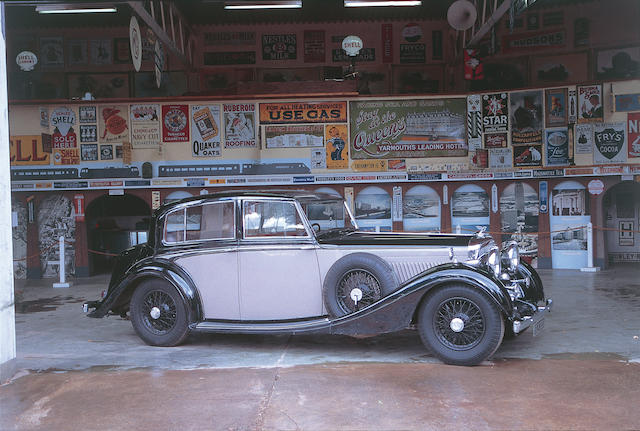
<point x="495" y="113"/>
<point x="175" y="123"/>
<point x="240" y="125"/>
<point x="610" y="143"/>
<point x="145" y="126"/>
<point x="62" y="120"/>
<point x="113" y="125"/>
<point x="205" y="137"/>
<point x="526" y="117"/>
<point x="392" y="129"/>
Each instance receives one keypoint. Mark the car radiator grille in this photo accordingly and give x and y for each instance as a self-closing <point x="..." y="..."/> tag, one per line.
<point x="406" y="270"/>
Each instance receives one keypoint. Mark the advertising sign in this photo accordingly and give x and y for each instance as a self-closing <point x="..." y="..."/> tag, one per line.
<point x="336" y="148"/>
<point x="584" y="138"/>
<point x="240" y="125"/>
<point x="279" y="47"/>
<point x="533" y="41"/>
<point x="387" y="43"/>
<point x="314" y="51"/>
<point x="87" y="114"/>
<point x="527" y="155"/>
<point x="413" y="53"/>
<point x="557" y="146"/>
<point x="206" y="136"/>
<point x="66" y="156"/>
<point x="556" y="107"/>
<point x="113" y="125"/>
<point x="500" y="158"/>
<point x="573" y="106"/>
<point x="474" y="122"/>
<point x="27" y="150"/>
<point x="303" y="112"/>
<point x="145" y="126"/>
<point x="393" y="129"/>
<point x="495" y="140"/>
<point x="590" y="104"/>
<point x="610" y="143"/>
<point x="175" y="123"/>
<point x="495" y="115"/>
<point x="294" y="136"/>
<point x="633" y="129"/>
<point x="526" y="117"/>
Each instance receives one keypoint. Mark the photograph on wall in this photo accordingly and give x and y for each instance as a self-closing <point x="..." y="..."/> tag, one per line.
<point x="51" y="52"/>
<point x="421" y="210"/>
<point x="495" y="140"/>
<point x="519" y="217"/>
<point x="89" y="152"/>
<point x="240" y="126"/>
<point x="100" y="85"/>
<point x="106" y="152"/>
<point x="145" y="126"/>
<point x="633" y="131"/>
<point x="590" y="104"/>
<point x="560" y="69"/>
<point x="294" y="135"/>
<point x="87" y="114"/>
<point x="279" y="47"/>
<point x="568" y="237"/>
<point x="112" y="123"/>
<point x="373" y="209"/>
<point x="610" y="143"/>
<point x="392" y="129"/>
<point x="336" y="148"/>
<point x="474" y="122"/>
<point x="206" y="134"/>
<point x="526" y="117"/>
<point x="175" y="123"/>
<point x="555" y="107"/>
<point x="527" y="155"/>
<point x="88" y="133"/>
<point x="77" y="52"/>
<point x="584" y="139"/>
<point x="556" y="141"/>
<point x="569" y="202"/>
<point x="470" y="204"/>
<point x="619" y="63"/>
<point x="495" y="112"/>
<point x="100" y="51"/>
<point x="500" y="158"/>
<point x="66" y="156"/>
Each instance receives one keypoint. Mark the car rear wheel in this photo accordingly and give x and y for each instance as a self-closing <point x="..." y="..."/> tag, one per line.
<point x="158" y="314"/>
<point x="461" y="325"/>
<point x="356" y="281"/>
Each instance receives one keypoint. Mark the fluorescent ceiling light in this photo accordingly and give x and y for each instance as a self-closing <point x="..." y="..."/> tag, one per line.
<point x="270" y="4"/>
<point x="367" y="3"/>
<point x="68" y="8"/>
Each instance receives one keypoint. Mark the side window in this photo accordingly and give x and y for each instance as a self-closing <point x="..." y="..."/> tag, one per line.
<point x="272" y="219"/>
<point x="201" y="222"/>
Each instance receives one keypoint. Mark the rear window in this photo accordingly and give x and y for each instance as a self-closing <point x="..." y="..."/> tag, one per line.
<point x="272" y="219"/>
<point x="211" y="221"/>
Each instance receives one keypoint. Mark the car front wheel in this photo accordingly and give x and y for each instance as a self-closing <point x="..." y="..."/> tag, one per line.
<point x="461" y="325"/>
<point x="158" y="314"/>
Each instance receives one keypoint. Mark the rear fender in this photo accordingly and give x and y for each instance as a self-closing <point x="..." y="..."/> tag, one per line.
<point x="118" y="298"/>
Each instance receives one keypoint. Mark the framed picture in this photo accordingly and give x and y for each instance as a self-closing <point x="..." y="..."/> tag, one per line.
<point x="100" y="85"/>
<point x="78" y="52"/>
<point x="121" y="50"/>
<point x="418" y="79"/>
<point x="51" y="52"/>
<point x="558" y="69"/>
<point x="555" y="107"/>
<point x="289" y="74"/>
<point x="620" y="63"/>
<point x="172" y="84"/>
<point x="100" y="50"/>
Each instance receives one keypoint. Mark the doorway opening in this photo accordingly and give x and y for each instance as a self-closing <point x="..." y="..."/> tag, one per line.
<point x="621" y="209"/>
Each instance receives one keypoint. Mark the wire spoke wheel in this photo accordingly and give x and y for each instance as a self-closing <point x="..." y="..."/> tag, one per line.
<point x="159" y="312"/>
<point x="361" y="284"/>
<point x="459" y="323"/>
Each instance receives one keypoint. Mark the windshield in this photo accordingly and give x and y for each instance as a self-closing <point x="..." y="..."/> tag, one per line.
<point x="330" y="214"/>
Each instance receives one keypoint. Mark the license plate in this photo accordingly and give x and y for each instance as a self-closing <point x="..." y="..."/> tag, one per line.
<point x="538" y="326"/>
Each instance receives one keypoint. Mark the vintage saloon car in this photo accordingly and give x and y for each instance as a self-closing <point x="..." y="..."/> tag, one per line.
<point x="295" y="262"/>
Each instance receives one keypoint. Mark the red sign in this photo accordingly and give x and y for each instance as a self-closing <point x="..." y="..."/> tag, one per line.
<point x="175" y="123"/>
<point x="387" y="43"/>
<point x="633" y="132"/>
<point x="64" y="141"/>
<point x="473" y="69"/>
<point x="78" y="206"/>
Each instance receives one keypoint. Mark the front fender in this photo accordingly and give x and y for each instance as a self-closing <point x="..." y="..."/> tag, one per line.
<point x="119" y="295"/>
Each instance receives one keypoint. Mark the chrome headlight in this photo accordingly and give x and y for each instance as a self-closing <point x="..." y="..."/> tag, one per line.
<point x="511" y="256"/>
<point x="493" y="261"/>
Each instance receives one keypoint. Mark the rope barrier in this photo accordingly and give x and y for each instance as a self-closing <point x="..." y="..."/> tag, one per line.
<point x="569" y="229"/>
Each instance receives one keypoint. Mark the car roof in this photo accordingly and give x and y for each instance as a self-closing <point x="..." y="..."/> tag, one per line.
<point x="304" y="196"/>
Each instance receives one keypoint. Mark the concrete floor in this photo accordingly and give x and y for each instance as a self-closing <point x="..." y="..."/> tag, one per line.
<point x="583" y="372"/>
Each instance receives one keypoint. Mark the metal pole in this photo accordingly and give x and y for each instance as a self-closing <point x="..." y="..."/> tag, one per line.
<point x="61" y="265"/>
<point x="590" y="267"/>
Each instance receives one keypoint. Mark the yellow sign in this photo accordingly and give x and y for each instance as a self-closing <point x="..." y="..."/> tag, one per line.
<point x="369" y="165"/>
<point x="303" y="112"/>
<point x="217" y="181"/>
<point x="28" y="150"/>
<point x="66" y="156"/>
<point x="337" y="149"/>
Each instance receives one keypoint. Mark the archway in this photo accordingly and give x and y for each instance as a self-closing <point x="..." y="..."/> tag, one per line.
<point x="568" y="218"/>
<point x="114" y="223"/>
<point x="621" y="209"/>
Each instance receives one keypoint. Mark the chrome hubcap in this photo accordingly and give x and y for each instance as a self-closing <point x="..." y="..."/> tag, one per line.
<point x="356" y="295"/>
<point x="155" y="313"/>
<point x="456" y="325"/>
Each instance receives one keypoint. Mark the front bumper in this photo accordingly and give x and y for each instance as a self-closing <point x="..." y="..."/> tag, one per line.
<point x="534" y="319"/>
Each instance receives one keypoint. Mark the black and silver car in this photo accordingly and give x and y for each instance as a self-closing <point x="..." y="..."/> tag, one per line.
<point x="295" y="262"/>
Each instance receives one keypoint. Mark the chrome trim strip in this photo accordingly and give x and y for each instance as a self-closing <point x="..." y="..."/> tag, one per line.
<point x="256" y="327"/>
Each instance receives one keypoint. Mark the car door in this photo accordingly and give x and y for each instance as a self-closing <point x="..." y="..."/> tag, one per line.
<point x="205" y="239"/>
<point x="279" y="274"/>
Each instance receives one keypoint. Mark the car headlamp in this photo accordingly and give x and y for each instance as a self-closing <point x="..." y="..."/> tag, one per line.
<point x="511" y="256"/>
<point x="493" y="261"/>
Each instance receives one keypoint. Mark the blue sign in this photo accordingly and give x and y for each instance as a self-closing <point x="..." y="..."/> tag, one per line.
<point x="544" y="197"/>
